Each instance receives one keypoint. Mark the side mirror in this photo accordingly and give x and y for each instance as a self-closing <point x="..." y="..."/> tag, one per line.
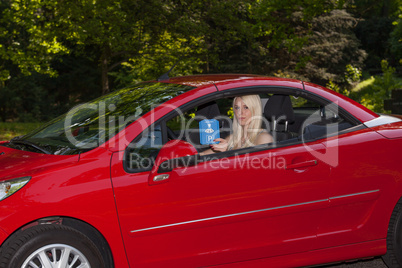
<point x="169" y="158"/>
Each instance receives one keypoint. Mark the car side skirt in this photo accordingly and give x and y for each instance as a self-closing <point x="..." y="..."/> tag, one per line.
<point x="332" y="255"/>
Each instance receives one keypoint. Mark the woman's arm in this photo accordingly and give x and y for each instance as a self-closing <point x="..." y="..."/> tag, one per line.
<point x="222" y="146"/>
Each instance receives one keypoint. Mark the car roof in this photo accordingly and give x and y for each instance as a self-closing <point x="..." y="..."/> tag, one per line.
<point x="229" y="81"/>
<point x="217" y="79"/>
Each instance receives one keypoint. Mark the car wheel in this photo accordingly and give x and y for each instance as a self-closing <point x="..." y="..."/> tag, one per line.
<point x="393" y="257"/>
<point x="48" y="246"/>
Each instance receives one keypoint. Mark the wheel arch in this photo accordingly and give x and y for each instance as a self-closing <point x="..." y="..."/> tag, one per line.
<point x="96" y="237"/>
<point x="85" y="228"/>
<point x="391" y="258"/>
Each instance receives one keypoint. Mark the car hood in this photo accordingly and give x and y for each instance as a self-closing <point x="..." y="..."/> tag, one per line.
<point x="16" y="163"/>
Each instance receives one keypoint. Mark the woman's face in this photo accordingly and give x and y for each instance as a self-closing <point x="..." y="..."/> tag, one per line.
<point x="242" y="112"/>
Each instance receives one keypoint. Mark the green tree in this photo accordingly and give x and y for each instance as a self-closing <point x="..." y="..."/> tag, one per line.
<point x="25" y="43"/>
<point x="331" y="48"/>
<point x="367" y="9"/>
<point x="259" y="36"/>
<point x="375" y="24"/>
<point x="116" y="42"/>
<point x="396" y="38"/>
<point x="115" y="30"/>
<point x="161" y="31"/>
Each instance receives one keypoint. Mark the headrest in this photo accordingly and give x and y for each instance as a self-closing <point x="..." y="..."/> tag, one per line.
<point x="207" y="111"/>
<point x="279" y="108"/>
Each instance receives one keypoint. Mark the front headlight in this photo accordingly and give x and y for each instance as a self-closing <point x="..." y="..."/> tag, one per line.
<point x="9" y="187"/>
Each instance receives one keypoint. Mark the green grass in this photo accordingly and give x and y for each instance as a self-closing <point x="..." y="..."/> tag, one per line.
<point x="11" y="130"/>
<point x="370" y="81"/>
<point x="363" y="84"/>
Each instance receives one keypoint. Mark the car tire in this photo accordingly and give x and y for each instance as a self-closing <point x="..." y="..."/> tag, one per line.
<point x="50" y="246"/>
<point x="393" y="257"/>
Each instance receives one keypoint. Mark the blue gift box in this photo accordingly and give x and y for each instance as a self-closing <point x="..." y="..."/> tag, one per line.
<point x="209" y="130"/>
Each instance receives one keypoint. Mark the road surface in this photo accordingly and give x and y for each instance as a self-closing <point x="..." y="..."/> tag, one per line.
<point x="372" y="263"/>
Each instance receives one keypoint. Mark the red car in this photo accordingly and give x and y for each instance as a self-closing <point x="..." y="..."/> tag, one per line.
<point x="123" y="181"/>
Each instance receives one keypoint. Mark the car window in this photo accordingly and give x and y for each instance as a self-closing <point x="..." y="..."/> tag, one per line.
<point x="141" y="154"/>
<point x="305" y="120"/>
<point x="186" y="125"/>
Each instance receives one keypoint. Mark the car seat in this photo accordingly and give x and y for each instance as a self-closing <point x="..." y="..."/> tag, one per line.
<point x="279" y="112"/>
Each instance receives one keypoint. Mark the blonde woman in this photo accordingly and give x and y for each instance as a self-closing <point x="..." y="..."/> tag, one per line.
<point x="247" y="129"/>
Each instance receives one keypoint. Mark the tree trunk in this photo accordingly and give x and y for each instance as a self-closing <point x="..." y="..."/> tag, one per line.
<point x="105" y="70"/>
<point x="3" y="115"/>
<point x="385" y="10"/>
<point x="3" y="112"/>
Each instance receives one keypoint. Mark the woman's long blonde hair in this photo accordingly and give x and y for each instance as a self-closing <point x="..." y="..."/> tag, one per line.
<point x="253" y="102"/>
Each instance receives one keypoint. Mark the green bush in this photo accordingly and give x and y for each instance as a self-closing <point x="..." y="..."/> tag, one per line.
<point x="373" y="95"/>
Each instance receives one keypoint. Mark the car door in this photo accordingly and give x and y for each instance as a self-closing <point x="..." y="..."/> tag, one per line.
<point x="235" y="206"/>
<point x="361" y="179"/>
<point x="362" y="183"/>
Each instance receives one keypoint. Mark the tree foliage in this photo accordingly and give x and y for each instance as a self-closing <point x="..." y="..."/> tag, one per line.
<point x="28" y="41"/>
<point x="64" y="52"/>
<point x="396" y="39"/>
<point x="331" y="48"/>
<point x="376" y="21"/>
<point x="160" y="30"/>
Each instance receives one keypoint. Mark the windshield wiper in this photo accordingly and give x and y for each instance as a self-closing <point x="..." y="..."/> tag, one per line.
<point x="28" y="143"/>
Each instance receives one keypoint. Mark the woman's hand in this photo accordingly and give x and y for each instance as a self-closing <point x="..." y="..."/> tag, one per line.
<point x="222" y="146"/>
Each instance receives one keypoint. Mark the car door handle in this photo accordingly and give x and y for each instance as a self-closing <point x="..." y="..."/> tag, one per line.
<point x="302" y="164"/>
<point x="161" y="177"/>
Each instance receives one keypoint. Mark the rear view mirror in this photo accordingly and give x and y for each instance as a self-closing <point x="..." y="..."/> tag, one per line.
<point x="168" y="158"/>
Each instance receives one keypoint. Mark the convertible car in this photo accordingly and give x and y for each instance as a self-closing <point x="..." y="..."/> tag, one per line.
<point x="122" y="181"/>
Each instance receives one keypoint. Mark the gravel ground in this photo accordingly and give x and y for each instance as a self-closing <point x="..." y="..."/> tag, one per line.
<point x="372" y="263"/>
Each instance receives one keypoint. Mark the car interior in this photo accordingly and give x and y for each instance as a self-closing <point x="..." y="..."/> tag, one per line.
<point x="289" y="119"/>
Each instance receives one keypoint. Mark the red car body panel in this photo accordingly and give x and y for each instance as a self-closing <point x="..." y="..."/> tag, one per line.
<point x="67" y="186"/>
<point x="358" y="191"/>
<point x="257" y="81"/>
<point x="311" y="208"/>
<point x="209" y="207"/>
<point x="390" y="131"/>
<point x="334" y="255"/>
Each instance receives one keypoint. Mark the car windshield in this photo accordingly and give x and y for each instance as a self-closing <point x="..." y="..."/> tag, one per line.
<point x="89" y="125"/>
